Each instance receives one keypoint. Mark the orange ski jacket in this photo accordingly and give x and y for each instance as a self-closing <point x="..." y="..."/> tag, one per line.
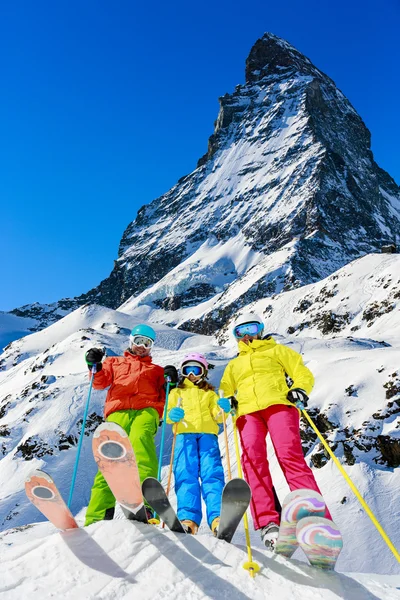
<point x="135" y="383"/>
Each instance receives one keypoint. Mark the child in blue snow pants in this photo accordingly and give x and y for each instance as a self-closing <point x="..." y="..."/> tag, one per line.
<point x="196" y="411"/>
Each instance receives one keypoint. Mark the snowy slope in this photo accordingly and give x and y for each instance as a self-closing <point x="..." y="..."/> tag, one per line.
<point x="356" y="401"/>
<point x="123" y="560"/>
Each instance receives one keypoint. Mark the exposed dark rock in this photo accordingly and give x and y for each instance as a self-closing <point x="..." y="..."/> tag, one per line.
<point x="92" y="421"/>
<point x="33" y="447"/>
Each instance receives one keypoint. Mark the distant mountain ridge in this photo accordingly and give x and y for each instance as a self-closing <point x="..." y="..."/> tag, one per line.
<point x="287" y="193"/>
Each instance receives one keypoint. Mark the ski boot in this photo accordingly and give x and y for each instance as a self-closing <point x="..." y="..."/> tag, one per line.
<point x="215" y="525"/>
<point x="269" y="535"/>
<point x="190" y="526"/>
<point x="151" y="519"/>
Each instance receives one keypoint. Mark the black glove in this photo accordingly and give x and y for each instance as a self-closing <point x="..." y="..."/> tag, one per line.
<point x="297" y="395"/>
<point x="94" y="356"/>
<point x="234" y="403"/>
<point x="171" y="372"/>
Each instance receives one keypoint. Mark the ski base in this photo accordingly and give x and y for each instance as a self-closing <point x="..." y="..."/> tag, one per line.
<point x="236" y="498"/>
<point x="155" y="495"/>
<point x="43" y="493"/>
<point x="320" y="540"/>
<point x="297" y="505"/>
<point x="113" y="453"/>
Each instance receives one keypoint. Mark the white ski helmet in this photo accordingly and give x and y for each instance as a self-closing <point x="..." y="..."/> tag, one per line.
<point x="247" y="318"/>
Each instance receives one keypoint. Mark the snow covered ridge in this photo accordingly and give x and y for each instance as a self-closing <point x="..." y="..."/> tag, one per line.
<point x="287" y="193"/>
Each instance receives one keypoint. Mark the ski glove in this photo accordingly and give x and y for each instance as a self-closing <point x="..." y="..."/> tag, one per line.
<point x="94" y="356"/>
<point x="225" y="404"/>
<point x="171" y="372"/>
<point x="176" y="414"/>
<point x="297" y="395"/>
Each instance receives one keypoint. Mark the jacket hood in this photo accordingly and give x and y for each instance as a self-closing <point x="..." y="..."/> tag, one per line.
<point x="256" y="345"/>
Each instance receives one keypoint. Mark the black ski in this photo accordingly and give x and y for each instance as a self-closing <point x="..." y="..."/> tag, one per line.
<point x="155" y="495"/>
<point x="236" y="498"/>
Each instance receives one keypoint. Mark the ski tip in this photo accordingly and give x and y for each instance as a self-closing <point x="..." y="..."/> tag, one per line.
<point x="110" y="426"/>
<point x="39" y="473"/>
<point x="309" y="527"/>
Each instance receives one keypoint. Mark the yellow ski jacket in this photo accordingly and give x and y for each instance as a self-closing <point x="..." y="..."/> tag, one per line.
<point x="201" y="410"/>
<point x="256" y="377"/>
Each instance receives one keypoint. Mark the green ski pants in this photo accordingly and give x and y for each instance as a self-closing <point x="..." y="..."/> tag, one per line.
<point x="141" y="427"/>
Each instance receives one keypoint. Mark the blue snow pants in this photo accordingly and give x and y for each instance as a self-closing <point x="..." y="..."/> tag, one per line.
<point x="197" y="456"/>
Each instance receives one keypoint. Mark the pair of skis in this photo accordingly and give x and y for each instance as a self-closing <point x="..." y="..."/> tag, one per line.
<point x="113" y="453"/>
<point x="303" y="524"/>
<point x="235" y="501"/>
<point x="115" y="458"/>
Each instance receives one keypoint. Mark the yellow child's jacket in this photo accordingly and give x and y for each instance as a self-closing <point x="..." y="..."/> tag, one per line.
<point x="256" y="377"/>
<point x="201" y="410"/>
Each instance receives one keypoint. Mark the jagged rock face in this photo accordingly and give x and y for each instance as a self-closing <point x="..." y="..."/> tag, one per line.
<point x="288" y="170"/>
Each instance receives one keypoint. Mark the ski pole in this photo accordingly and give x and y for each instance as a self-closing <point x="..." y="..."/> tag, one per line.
<point x="163" y="429"/>
<point x="228" y="460"/>
<point x="365" y="506"/>
<point x="71" y="491"/>
<point x="250" y="566"/>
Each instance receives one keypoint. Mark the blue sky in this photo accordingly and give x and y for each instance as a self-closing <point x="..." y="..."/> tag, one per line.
<point x="104" y="106"/>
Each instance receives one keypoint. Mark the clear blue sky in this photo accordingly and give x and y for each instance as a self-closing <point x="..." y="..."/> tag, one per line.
<point x="104" y="105"/>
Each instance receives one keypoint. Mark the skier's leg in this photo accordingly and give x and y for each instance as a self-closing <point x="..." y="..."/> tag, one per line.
<point x="283" y="426"/>
<point x="211" y="474"/>
<point x="142" y="431"/>
<point x="101" y="501"/>
<point x="186" y="474"/>
<point x="253" y="431"/>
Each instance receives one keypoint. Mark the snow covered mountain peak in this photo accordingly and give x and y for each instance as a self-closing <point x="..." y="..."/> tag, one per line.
<point x="270" y="54"/>
<point x="287" y="193"/>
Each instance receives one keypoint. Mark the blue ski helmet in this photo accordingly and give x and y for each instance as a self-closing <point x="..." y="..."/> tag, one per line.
<point x="145" y="330"/>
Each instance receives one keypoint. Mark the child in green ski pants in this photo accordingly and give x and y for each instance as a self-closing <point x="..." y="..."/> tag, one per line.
<point x="135" y="401"/>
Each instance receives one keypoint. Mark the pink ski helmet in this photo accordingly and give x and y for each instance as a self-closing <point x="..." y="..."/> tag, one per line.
<point x="195" y="357"/>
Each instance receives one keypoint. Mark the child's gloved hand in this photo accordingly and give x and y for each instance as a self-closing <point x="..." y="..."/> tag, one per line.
<point x="225" y="404"/>
<point x="176" y="414"/>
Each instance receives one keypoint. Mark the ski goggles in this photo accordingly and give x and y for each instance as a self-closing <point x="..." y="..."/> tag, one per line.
<point x="142" y="340"/>
<point x="196" y="370"/>
<point x="247" y="329"/>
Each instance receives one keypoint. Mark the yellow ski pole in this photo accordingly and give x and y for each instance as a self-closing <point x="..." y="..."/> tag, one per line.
<point x="250" y="566"/>
<point x="351" y="484"/>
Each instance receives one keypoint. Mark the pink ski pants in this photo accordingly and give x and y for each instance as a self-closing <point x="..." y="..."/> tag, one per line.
<point x="282" y="423"/>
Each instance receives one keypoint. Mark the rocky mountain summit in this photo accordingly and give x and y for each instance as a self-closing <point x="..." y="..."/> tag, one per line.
<point x="287" y="193"/>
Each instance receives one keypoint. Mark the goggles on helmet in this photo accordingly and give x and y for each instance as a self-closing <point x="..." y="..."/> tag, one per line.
<point x="247" y="329"/>
<point x="142" y="340"/>
<point x="194" y="369"/>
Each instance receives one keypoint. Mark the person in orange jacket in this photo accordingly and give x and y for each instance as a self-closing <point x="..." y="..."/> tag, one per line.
<point x="135" y="400"/>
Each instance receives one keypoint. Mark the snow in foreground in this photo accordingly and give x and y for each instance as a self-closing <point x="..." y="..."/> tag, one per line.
<point x="120" y="559"/>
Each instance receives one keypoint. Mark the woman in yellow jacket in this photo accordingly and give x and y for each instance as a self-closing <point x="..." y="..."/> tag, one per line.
<point x="196" y="410"/>
<point x="257" y="377"/>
